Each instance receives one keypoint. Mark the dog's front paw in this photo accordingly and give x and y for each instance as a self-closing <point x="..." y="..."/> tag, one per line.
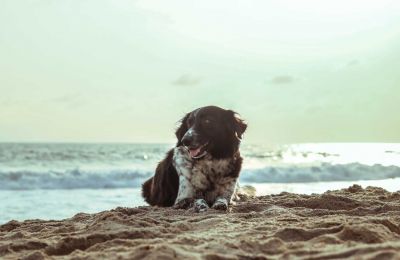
<point x="200" y="205"/>
<point x="183" y="204"/>
<point x="220" y="204"/>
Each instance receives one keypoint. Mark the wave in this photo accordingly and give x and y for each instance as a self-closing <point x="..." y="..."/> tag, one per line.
<point x="322" y="173"/>
<point x="72" y="179"/>
<point x="128" y="178"/>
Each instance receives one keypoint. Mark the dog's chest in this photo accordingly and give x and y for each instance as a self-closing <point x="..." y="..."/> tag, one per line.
<point x="206" y="174"/>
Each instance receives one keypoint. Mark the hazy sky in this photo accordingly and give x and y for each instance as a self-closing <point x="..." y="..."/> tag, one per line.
<point x="104" y="71"/>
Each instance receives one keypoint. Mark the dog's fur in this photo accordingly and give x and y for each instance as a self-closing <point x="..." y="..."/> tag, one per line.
<point x="183" y="180"/>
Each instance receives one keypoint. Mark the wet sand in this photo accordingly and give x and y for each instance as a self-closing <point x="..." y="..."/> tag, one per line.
<point x="353" y="222"/>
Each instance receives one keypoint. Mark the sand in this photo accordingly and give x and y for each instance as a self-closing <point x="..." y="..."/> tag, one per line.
<point x="353" y="222"/>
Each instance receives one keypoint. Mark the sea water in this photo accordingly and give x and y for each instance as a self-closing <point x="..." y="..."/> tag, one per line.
<point x="56" y="181"/>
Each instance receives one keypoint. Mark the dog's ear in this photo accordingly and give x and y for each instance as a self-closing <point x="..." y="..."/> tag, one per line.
<point x="237" y="124"/>
<point x="182" y="129"/>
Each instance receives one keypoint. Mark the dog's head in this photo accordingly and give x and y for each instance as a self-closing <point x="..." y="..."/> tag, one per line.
<point x="211" y="130"/>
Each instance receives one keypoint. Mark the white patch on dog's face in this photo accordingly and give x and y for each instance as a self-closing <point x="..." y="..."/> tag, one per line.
<point x="195" y="148"/>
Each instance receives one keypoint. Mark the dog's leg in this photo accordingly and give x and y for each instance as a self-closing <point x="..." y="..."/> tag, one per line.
<point x="183" y="165"/>
<point x="185" y="196"/>
<point x="223" y="200"/>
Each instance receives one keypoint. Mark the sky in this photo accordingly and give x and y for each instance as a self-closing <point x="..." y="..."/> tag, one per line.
<point x="127" y="71"/>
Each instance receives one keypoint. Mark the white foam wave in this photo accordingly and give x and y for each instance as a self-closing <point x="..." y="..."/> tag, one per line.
<point x="323" y="172"/>
<point x="131" y="178"/>
<point x="72" y="179"/>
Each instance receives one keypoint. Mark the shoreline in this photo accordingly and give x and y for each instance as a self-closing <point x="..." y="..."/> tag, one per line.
<point x="68" y="202"/>
<point x="351" y="222"/>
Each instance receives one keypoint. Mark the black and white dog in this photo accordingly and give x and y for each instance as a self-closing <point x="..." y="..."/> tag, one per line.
<point x="202" y="170"/>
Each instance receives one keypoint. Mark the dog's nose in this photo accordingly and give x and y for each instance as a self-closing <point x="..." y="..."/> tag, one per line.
<point x="187" y="140"/>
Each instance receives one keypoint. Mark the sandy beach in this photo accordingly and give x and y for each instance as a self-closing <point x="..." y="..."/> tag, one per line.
<point x="353" y="222"/>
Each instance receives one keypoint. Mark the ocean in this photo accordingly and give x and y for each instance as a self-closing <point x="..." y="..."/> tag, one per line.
<point x="56" y="181"/>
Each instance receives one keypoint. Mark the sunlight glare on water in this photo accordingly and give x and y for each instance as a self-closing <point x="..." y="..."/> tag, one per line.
<point x="342" y="153"/>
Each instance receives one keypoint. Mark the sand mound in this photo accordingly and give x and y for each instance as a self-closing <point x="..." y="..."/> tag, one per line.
<point x="353" y="222"/>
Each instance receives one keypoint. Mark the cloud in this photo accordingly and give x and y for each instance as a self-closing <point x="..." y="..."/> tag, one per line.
<point x="66" y="98"/>
<point x="70" y="100"/>
<point x="12" y="101"/>
<point x="187" y="80"/>
<point x="347" y="65"/>
<point x="282" y="79"/>
<point x="352" y="63"/>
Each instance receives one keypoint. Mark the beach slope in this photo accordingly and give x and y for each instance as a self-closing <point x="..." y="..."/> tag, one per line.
<point x="353" y="222"/>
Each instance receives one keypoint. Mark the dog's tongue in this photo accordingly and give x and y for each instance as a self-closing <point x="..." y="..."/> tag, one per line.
<point x="194" y="152"/>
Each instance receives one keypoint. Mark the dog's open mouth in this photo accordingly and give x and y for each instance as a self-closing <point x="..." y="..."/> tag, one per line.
<point x="198" y="152"/>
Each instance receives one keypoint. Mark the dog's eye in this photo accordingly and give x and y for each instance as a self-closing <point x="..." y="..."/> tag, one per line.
<point x="208" y="122"/>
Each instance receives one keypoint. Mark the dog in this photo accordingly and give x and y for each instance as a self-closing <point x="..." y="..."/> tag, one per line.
<point x="202" y="170"/>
